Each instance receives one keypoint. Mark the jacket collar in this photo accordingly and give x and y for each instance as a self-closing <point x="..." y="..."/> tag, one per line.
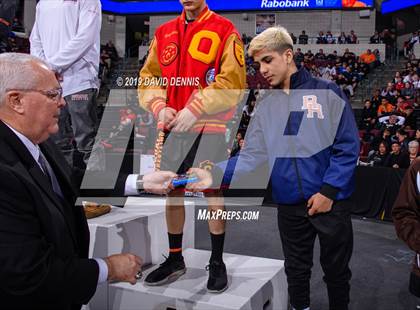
<point x="205" y="13"/>
<point x="299" y="77"/>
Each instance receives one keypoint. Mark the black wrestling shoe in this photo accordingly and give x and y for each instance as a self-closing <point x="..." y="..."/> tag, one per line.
<point x="169" y="271"/>
<point x="217" y="282"/>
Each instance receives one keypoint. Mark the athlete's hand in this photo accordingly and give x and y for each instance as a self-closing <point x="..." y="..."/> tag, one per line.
<point x="205" y="180"/>
<point x="167" y="115"/>
<point x="318" y="203"/>
<point x="183" y="121"/>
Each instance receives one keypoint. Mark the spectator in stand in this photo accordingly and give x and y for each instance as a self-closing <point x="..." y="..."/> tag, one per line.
<point x="17" y="25"/>
<point x="351" y="82"/>
<point x="347" y="56"/>
<point x="320" y="55"/>
<point x="407" y="69"/>
<point x="329" y="72"/>
<point x="396" y="77"/>
<point x="329" y="38"/>
<point x="409" y="77"/>
<point x="111" y="51"/>
<point x="368" y="119"/>
<point x="378" y="61"/>
<point x="303" y="38"/>
<point x="352" y="38"/>
<point x="417" y="137"/>
<point x="384" y="137"/>
<point x="401" y="137"/>
<point x="392" y="122"/>
<point x="407" y="91"/>
<point x="362" y="69"/>
<point x="410" y="118"/>
<point x="239" y="136"/>
<point x="294" y="39"/>
<point x="144" y="125"/>
<point x="342" y="82"/>
<point x="321" y="39"/>
<point x="388" y="39"/>
<point x="402" y="106"/>
<point x="385" y="107"/>
<point x="376" y="99"/>
<point x="342" y="39"/>
<point x="397" y="158"/>
<point x="413" y="150"/>
<point x="389" y="92"/>
<point x="238" y="148"/>
<point x="369" y="59"/>
<point x="416" y="82"/>
<point x="249" y="109"/>
<point x="399" y="85"/>
<point x="376" y="38"/>
<point x="333" y="57"/>
<point x="299" y="56"/>
<point x="380" y="157"/>
<point x="309" y="56"/>
<point x="414" y="39"/>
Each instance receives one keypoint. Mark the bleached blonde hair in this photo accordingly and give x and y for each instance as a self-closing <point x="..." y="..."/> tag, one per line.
<point x="273" y="39"/>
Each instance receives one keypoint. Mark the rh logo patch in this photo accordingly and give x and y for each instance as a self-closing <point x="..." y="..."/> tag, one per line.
<point x="310" y="103"/>
<point x="169" y="54"/>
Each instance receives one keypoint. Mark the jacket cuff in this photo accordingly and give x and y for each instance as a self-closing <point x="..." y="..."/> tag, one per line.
<point x="329" y="191"/>
<point x="196" y="107"/>
<point x="156" y="105"/>
<point x="217" y="175"/>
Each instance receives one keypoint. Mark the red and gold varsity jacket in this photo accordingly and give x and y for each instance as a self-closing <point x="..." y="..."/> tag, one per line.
<point x="199" y="65"/>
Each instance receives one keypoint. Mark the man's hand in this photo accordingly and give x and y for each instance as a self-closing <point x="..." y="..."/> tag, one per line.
<point x="318" y="203"/>
<point x="204" y="182"/>
<point x="166" y="115"/>
<point x="183" y="121"/>
<point x="158" y="182"/>
<point x="123" y="267"/>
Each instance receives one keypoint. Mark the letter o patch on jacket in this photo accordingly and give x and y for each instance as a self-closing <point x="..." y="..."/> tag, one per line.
<point x="169" y="54"/>
<point x="204" y="56"/>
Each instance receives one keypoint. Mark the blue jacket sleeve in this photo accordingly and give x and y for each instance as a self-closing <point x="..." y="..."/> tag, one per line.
<point x="344" y="153"/>
<point x="252" y="155"/>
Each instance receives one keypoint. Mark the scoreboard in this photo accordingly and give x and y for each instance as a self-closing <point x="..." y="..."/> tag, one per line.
<point x="173" y="6"/>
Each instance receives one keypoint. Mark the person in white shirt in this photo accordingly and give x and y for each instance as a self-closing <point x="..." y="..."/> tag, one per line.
<point x="66" y="35"/>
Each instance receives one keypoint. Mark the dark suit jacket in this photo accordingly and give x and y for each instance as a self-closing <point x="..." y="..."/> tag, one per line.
<point x="44" y="240"/>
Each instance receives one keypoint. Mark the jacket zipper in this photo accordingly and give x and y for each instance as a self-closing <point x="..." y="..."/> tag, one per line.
<point x="295" y="160"/>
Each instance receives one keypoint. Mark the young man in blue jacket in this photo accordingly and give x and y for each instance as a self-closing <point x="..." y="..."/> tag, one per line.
<point x="305" y="129"/>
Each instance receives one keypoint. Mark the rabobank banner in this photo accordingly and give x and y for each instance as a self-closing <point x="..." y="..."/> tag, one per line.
<point x="173" y="6"/>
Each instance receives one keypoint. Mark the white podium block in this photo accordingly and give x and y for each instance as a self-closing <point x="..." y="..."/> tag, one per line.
<point x="138" y="228"/>
<point x="254" y="284"/>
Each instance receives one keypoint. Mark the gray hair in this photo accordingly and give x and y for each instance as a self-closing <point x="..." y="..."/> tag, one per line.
<point x="413" y="143"/>
<point x="17" y="72"/>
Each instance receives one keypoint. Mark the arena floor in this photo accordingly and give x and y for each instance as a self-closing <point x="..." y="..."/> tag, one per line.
<point x="380" y="262"/>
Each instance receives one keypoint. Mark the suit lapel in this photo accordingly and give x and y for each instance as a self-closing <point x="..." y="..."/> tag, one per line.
<point x="36" y="173"/>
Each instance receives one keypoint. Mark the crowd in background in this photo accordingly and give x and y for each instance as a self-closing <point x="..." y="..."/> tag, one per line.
<point x="389" y="130"/>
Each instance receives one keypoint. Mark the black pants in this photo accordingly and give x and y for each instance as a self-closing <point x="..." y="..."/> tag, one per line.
<point x="298" y="233"/>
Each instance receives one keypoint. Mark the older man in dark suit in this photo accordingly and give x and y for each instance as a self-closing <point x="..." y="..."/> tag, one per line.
<point x="44" y="237"/>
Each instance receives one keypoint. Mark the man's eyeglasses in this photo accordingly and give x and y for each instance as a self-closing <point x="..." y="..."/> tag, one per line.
<point x="54" y="94"/>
